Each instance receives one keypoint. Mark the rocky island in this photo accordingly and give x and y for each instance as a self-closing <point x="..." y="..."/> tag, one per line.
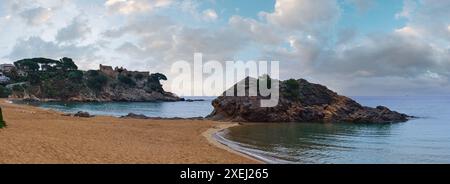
<point x="300" y="101"/>
<point x="42" y="79"/>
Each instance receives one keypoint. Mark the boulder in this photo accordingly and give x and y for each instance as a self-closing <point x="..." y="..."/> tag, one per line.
<point x="83" y="114"/>
<point x="300" y="101"/>
<point x="194" y="100"/>
<point x="135" y="116"/>
<point x="30" y="98"/>
<point x="141" y="116"/>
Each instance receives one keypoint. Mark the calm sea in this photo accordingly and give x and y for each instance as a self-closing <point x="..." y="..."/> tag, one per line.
<point x="151" y="109"/>
<point x="422" y="140"/>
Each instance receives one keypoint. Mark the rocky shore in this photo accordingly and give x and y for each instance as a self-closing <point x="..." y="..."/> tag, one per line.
<point x="301" y="101"/>
<point x="129" y="95"/>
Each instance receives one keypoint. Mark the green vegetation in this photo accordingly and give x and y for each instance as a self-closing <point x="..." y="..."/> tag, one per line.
<point x="157" y="77"/>
<point x="2" y="122"/>
<point x="153" y="82"/>
<point x="34" y="78"/>
<point x="18" y="88"/>
<point x="4" y="92"/>
<point x="292" y="89"/>
<point x="127" y="80"/>
<point x="95" y="80"/>
<point x="28" y="64"/>
<point x="139" y="76"/>
<point x="44" y="64"/>
<point x="66" y="64"/>
<point x="48" y="78"/>
<point x="75" y="76"/>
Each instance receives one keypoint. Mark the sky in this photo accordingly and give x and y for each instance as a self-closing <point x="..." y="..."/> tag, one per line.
<point x="355" y="47"/>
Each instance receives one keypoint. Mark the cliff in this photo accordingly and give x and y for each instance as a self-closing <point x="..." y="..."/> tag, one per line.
<point x="44" y="79"/>
<point x="300" y="101"/>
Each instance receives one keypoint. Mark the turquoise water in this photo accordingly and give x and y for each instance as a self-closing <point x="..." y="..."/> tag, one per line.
<point x="422" y="140"/>
<point x="151" y="109"/>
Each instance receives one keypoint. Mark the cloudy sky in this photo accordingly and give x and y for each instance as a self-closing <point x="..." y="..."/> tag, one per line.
<point x="356" y="47"/>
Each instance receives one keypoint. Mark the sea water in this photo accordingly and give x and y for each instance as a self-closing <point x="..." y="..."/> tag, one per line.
<point x="422" y="140"/>
<point x="182" y="109"/>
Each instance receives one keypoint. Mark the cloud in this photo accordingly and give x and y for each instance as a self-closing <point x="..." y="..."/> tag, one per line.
<point x="135" y="6"/>
<point x="132" y="50"/>
<point x="385" y="55"/>
<point x="428" y="17"/>
<point x="160" y="37"/>
<point x="304" y="15"/>
<point x="408" y="31"/>
<point x="36" y="47"/>
<point x="78" y="29"/>
<point x="36" y="16"/>
<point x="409" y="6"/>
<point x="362" y="5"/>
<point x="393" y="64"/>
<point x="210" y="15"/>
<point x="141" y="26"/>
<point x="256" y="30"/>
<point x="345" y="36"/>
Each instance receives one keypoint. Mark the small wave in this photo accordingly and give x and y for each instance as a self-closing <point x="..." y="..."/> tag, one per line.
<point x="254" y="153"/>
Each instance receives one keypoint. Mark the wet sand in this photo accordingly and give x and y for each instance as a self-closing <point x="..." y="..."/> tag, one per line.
<point x="36" y="135"/>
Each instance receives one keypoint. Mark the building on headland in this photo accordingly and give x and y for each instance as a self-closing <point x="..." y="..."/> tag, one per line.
<point x="113" y="73"/>
<point x="108" y="70"/>
<point x="6" y="68"/>
<point x="9" y="68"/>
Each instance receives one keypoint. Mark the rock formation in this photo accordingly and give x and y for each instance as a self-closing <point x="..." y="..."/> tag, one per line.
<point x="141" y="116"/>
<point x="82" y="114"/>
<point x="300" y="101"/>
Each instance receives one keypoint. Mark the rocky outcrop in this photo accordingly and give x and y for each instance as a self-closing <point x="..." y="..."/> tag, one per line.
<point x="30" y="98"/>
<point x="124" y="95"/>
<point x="82" y="114"/>
<point x="60" y="80"/>
<point x="107" y="94"/>
<point x="301" y="101"/>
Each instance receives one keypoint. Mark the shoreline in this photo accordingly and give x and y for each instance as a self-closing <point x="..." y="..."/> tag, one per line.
<point x="37" y="135"/>
<point x="242" y="150"/>
<point x="212" y="137"/>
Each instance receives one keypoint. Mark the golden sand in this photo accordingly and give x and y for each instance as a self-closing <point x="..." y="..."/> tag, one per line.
<point x="36" y="135"/>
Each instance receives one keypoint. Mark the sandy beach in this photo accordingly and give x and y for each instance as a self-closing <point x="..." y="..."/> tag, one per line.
<point x="36" y="136"/>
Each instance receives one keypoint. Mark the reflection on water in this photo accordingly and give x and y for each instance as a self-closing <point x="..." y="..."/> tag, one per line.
<point x="424" y="140"/>
<point x="310" y="142"/>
